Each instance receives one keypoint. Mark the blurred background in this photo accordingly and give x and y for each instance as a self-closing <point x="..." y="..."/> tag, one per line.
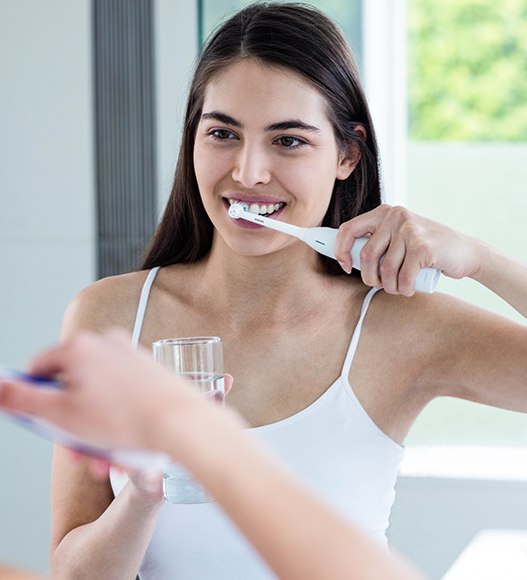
<point x="91" y="101"/>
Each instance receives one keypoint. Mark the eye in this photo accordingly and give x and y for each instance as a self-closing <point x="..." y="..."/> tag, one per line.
<point x="221" y="134"/>
<point x="290" y="142"/>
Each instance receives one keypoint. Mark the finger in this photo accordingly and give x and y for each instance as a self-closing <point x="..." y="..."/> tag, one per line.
<point x="77" y="455"/>
<point x="346" y="238"/>
<point x="69" y="354"/>
<point x="228" y="383"/>
<point x="407" y="277"/>
<point x="369" y="222"/>
<point x="390" y="265"/>
<point x="409" y="271"/>
<point x="370" y="258"/>
<point x="342" y="248"/>
<point x="360" y="226"/>
<point x="49" y="363"/>
<point x="99" y="468"/>
<point x="21" y="397"/>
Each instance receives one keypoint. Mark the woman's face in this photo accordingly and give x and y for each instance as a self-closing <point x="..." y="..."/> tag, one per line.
<point x="264" y="138"/>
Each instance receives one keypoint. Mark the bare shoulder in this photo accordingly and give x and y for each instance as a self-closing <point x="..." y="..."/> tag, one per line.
<point x="433" y="330"/>
<point x="411" y="335"/>
<point x="420" y="313"/>
<point x="104" y="304"/>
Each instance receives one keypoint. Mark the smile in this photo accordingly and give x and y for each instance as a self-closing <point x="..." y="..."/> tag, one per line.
<point x="260" y="209"/>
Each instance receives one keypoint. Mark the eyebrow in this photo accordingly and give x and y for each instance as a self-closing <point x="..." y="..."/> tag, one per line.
<point x="280" y="126"/>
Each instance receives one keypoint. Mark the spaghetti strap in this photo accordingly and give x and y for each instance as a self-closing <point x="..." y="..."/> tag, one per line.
<point x="141" y="308"/>
<point x="356" y="333"/>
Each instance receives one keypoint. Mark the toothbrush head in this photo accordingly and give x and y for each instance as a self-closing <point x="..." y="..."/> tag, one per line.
<point x="236" y="210"/>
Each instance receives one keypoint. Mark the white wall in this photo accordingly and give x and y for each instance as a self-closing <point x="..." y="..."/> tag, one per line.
<point x="176" y="24"/>
<point x="47" y="208"/>
<point x="46" y="227"/>
<point x="434" y="518"/>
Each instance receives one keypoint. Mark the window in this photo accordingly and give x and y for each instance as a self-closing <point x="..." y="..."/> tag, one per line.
<point x="466" y="151"/>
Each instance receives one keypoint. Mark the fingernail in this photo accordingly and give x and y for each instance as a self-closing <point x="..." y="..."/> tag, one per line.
<point x="345" y="267"/>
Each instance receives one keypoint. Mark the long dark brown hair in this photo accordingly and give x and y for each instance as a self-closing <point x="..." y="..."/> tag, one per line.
<point x="293" y="36"/>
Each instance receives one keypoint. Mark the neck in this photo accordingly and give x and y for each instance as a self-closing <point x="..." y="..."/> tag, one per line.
<point x="276" y="286"/>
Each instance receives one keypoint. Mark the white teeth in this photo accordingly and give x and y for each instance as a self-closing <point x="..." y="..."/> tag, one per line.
<point x="258" y="209"/>
<point x="240" y="203"/>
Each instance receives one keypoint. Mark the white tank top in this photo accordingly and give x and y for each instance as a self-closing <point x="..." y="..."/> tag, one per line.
<point x="332" y="445"/>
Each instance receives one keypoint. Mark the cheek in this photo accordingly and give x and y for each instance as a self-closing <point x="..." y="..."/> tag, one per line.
<point x="209" y="166"/>
<point x="199" y="164"/>
<point x="318" y="185"/>
<point x="315" y="177"/>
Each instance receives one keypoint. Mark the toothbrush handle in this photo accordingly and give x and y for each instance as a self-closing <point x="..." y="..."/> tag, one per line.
<point x="426" y="280"/>
<point x="323" y="241"/>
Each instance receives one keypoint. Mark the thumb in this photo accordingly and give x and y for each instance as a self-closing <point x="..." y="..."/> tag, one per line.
<point x="228" y="383"/>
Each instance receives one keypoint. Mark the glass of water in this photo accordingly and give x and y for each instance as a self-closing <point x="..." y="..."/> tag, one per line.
<point x="199" y="359"/>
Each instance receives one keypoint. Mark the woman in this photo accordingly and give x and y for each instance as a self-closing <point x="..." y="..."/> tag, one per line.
<point x="328" y="373"/>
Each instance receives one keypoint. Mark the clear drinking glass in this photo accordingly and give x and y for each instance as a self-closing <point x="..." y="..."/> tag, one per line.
<point x="200" y="360"/>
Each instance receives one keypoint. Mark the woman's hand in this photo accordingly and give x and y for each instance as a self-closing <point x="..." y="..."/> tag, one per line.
<point x="400" y="244"/>
<point x="147" y="484"/>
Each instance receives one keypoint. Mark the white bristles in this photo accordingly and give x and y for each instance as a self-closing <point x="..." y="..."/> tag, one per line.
<point x="236" y="210"/>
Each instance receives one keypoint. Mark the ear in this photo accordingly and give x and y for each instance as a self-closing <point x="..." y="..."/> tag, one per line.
<point x="350" y="157"/>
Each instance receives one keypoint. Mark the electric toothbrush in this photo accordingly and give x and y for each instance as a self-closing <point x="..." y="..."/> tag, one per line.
<point x="322" y="239"/>
<point x="134" y="459"/>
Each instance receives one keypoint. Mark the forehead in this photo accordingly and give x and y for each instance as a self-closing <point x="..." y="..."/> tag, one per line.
<point x="263" y="92"/>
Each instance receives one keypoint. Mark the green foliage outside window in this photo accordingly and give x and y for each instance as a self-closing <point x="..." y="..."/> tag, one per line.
<point x="467" y="70"/>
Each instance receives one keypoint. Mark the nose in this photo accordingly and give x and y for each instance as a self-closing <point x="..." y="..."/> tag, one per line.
<point x="251" y="167"/>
